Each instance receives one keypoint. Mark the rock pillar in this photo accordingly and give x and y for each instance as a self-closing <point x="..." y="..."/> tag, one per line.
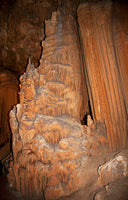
<point x="48" y="137"/>
<point x="102" y="75"/>
<point x="120" y="40"/>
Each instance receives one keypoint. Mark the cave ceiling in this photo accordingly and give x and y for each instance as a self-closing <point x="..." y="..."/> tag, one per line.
<point x="22" y="30"/>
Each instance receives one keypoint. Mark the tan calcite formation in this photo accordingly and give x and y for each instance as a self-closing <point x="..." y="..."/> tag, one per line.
<point x="114" y="169"/>
<point x="120" y="42"/>
<point x="50" y="146"/>
<point x="54" y="156"/>
<point x="61" y="79"/>
<point x="50" y="155"/>
<point x="101" y="69"/>
<point x="113" y="176"/>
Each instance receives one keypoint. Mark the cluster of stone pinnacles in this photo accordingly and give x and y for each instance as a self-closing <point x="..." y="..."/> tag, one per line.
<point x="51" y="149"/>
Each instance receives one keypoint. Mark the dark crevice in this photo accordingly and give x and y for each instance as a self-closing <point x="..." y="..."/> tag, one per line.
<point x="84" y="120"/>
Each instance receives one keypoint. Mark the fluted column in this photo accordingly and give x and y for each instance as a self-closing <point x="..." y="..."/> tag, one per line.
<point x="120" y="41"/>
<point x="102" y="75"/>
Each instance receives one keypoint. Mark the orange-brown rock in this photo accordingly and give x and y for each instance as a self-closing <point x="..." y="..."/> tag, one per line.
<point x="8" y="98"/>
<point x="21" y="31"/>
<point x="101" y="69"/>
<point x="63" y="85"/>
<point x="116" y="168"/>
<point x="47" y="134"/>
<point x="120" y="41"/>
<point x="55" y="157"/>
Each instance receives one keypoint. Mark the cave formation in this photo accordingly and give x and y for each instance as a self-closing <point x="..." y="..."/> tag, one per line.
<point x="69" y="128"/>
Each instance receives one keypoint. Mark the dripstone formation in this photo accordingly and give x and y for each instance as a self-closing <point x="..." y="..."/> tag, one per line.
<point x="48" y="138"/>
<point x="103" y="78"/>
<point x="54" y="155"/>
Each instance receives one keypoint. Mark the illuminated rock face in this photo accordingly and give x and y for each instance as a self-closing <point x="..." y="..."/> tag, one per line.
<point x="55" y="157"/>
<point x="120" y="38"/>
<point x="102" y="75"/>
<point x="61" y="82"/>
<point x="50" y="146"/>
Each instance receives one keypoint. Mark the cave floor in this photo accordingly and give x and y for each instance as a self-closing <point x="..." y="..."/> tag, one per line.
<point x="6" y="193"/>
<point x="116" y="190"/>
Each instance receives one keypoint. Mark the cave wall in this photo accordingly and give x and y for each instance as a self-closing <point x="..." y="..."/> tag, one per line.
<point x="21" y="32"/>
<point x="8" y="98"/>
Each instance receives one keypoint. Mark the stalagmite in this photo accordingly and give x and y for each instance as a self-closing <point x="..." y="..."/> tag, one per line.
<point x="47" y="133"/>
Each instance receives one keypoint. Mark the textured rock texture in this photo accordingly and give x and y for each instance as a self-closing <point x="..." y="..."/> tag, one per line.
<point x="101" y="69"/>
<point x="50" y="146"/>
<point x="113" y="175"/>
<point x="120" y="41"/>
<point x="54" y="156"/>
<point x="21" y="31"/>
<point x="113" y="170"/>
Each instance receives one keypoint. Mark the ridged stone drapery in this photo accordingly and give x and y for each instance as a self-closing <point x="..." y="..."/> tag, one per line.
<point x="101" y="69"/>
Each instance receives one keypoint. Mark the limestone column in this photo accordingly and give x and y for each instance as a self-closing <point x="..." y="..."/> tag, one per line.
<point x="48" y="137"/>
<point x="120" y="40"/>
<point x="105" y="92"/>
<point x="61" y="68"/>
